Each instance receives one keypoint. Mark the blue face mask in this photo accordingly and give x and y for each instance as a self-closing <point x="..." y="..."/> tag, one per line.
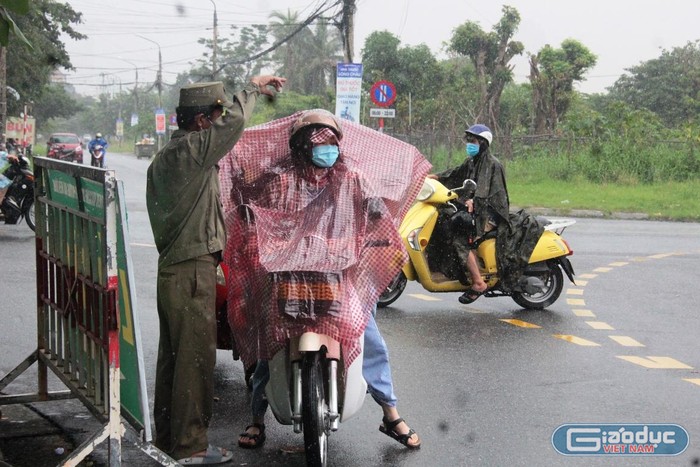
<point x="324" y="156"/>
<point x="472" y="149"/>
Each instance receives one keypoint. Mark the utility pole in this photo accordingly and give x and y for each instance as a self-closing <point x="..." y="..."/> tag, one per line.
<point x="159" y="83"/>
<point x="214" y="45"/>
<point x="159" y="75"/>
<point x="347" y="29"/>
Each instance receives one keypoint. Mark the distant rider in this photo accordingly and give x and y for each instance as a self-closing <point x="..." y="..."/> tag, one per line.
<point x="98" y="141"/>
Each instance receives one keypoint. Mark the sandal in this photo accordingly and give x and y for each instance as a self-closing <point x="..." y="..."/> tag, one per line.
<point x="388" y="428"/>
<point x="471" y="295"/>
<point x="256" y="440"/>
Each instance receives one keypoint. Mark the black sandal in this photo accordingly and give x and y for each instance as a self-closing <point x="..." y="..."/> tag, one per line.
<point x="257" y="440"/>
<point x="470" y="296"/>
<point x="387" y="428"/>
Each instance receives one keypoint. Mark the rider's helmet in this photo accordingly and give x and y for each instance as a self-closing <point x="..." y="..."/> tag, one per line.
<point x="480" y="131"/>
<point x="316" y="118"/>
<point x="98" y="135"/>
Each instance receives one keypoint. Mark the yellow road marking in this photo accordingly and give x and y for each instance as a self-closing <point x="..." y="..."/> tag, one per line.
<point x="521" y="324"/>
<point x="692" y="380"/>
<point x="581" y="283"/>
<point x="148" y="245"/>
<point x="600" y="325"/>
<point x="588" y="276"/>
<point x="576" y="340"/>
<point x="427" y="298"/>
<point x="603" y="269"/>
<point x="584" y="313"/>
<point x="662" y="255"/>
<point x="576" y="302"/>
<point x="656" y="363"/>
<point x="626" y="341"/>
<point x="619" y="263"/>
<point x="574" y="291"/>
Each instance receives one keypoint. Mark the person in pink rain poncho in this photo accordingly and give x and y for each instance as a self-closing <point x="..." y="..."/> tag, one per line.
<point x="312" y="211"/>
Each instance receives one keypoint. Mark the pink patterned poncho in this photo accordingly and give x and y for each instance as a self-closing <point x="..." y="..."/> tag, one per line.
<point x="309" y="252"/>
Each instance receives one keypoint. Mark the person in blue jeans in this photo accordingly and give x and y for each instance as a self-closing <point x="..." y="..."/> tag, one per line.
<point x="377" y="373"/>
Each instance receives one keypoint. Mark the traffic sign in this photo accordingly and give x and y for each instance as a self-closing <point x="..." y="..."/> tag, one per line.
<point x="383" y="93"/>
<point x="382" y="113"/>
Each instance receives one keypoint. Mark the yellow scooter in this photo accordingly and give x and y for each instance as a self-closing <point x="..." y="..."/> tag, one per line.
<point x="539" y="287"/>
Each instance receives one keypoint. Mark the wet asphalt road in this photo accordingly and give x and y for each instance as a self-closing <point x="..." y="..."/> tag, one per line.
<point x="484" y="384"/>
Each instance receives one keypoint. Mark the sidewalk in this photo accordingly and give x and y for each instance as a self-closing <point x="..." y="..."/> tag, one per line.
<point x="29" y="439"/>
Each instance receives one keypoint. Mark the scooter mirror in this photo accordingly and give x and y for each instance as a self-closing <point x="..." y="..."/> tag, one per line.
<point x="469" y="186"/>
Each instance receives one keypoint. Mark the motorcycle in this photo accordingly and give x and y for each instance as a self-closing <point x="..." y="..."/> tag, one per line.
<point x="539" y="286"/>
<point x="97" y="159"/>
<point x="310" y="389"/>
<point x="18" y="203"/>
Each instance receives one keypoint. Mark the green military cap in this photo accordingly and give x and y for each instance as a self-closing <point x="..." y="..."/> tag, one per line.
<point x="203" y="94"/>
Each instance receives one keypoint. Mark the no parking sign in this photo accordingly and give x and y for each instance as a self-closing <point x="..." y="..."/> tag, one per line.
<point x="383" y="93"/>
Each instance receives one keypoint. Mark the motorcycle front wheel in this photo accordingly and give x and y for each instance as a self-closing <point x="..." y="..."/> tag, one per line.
<point x="393" y="291"/>
<point x="314" y="410"/>
<point x="553" y="284"/>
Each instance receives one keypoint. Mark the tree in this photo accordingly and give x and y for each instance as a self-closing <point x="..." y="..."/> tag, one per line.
<point x="233" y="51"/>
<point x="552" y="76"/>
<point x="321" y="57"/>
<point x="289" y="55"/>
<point x="668" y="85"/>
<point x="380" y="56"/>
<point x="490" y="53"/>
<point x="29" y="70"/>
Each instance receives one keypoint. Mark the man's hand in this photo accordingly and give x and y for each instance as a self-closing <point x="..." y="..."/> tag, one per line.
<point x="12" y="158"/>
<point x="263" y="81"/>
<point x="432" y="176"/>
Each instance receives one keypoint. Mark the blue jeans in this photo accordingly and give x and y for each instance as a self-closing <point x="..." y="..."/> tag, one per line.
<point x="375" y="369"/>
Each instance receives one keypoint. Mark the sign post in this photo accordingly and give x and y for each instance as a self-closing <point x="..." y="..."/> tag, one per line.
<point x="382" y="94"/>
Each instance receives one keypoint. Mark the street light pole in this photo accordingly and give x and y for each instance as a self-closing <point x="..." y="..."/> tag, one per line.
<point x="214" y="45"/>
<point x="159" y="76"/>
<point x="159" y="81"/>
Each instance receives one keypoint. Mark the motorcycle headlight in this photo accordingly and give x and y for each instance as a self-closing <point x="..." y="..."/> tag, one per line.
<point x="425" y="192"/>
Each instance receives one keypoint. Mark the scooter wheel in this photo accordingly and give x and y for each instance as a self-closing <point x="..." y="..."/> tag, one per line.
<point x="393" y="291"/>
<point x="554" y="283"/>
<point x="314" y="410"/>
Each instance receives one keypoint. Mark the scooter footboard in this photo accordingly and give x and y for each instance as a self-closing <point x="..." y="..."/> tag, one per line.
<point x="355" y="387"/>
<point x="278" y="389"/>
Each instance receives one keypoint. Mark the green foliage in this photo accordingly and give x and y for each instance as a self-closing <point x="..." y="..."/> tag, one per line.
<point x="552" y="76"/>
<point x="232" y="53"/>
<point x="668" y="85"/>
<point x="45" y="25"/>
<point x="8" y="25"/>
<point x="490" y="54"/>
<point x="286" y="104"/>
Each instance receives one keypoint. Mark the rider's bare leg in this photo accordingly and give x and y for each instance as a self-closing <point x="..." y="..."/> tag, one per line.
<point x="478" y="283"/>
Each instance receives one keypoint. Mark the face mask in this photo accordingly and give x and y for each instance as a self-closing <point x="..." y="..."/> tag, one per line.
<point x="324" y="156"/>
<point x="472" y="149"/>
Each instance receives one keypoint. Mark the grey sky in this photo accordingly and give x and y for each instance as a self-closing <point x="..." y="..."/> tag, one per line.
<point x="622" y="33"/>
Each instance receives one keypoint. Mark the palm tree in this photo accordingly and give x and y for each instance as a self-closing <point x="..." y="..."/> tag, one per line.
<point x="290" y="54"/>
<point x="324" y="52"/>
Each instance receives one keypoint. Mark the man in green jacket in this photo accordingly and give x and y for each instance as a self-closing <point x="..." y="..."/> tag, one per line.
<point x="184" y="207"/>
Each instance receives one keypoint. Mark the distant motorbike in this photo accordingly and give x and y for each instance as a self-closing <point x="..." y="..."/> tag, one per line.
<point x="18" y="203"/>
<point x="540" y="285"/>
<point x="98" y="156"/>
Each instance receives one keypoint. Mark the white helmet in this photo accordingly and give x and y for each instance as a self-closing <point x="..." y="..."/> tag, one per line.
<point x="480" y="131"/>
